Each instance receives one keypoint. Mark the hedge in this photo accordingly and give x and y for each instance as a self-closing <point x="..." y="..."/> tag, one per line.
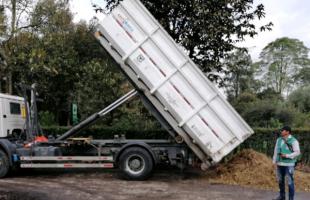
<point x="263" y="140"/>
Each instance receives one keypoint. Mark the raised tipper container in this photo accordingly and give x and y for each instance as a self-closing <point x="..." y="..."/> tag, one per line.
<point x="178" y="89"/>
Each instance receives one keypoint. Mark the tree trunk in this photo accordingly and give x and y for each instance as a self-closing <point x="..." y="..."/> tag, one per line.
<point x="9" y="82"/>
<point x="13" y="3"/>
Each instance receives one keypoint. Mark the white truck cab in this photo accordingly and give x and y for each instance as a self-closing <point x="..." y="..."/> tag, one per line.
<point x="12" y="115"/>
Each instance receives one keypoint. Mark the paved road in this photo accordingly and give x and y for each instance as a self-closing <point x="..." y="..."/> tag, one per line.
<point x="107" y="186"/>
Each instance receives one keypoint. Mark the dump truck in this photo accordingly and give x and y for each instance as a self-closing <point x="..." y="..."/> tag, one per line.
<point x="203" y="127"/>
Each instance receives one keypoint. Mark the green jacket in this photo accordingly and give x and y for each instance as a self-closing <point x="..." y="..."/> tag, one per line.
<point x="282" y="148"/>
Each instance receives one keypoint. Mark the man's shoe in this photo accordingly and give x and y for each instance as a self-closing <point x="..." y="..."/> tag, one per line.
<point x="279" y="198"/>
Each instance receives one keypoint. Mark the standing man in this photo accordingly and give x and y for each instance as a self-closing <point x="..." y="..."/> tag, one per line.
<point x="285" y="152"/>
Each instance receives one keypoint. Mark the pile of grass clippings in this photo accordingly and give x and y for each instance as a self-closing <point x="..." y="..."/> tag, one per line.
<point x="253" y="169"/>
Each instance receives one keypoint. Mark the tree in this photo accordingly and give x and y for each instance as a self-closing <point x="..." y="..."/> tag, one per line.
<point x="300" y="98"/>
<point x="45" y="54"/>
<point x="239" y="73"/>
<point x="99" y="86"/>
<point x="62" y="58"/>
<point x="303" y="77"/>
<point x="3" y="68"/>
<point x="3" y="62"/>
<point x="268" y="113"/>
<point x="3" y="19"/>
<point x="207" y="29"/>
<point x="281" y="61"/>
<point x="19" y="11"/>
<point x="269" y="94"/>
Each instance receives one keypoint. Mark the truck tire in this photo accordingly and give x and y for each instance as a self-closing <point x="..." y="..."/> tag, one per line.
<point x="136" y="163"/>
<point x="4" y="164"/>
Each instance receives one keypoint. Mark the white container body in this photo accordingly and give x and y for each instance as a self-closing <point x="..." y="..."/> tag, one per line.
<point x="195" y="103"/>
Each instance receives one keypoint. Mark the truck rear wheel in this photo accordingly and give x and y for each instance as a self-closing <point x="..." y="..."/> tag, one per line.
<point x="136" y="163"/>
<point x="4" y="164"/>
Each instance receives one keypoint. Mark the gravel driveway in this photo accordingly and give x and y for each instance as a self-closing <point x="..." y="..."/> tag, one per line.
<point x="81" y="184"/>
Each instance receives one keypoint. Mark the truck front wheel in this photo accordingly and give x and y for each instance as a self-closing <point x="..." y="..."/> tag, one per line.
<point x="136" y="163"/>
<point x="4" y="164"/>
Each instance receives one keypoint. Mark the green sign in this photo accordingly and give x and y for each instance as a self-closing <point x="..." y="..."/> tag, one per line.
<point x="75" y="118"/>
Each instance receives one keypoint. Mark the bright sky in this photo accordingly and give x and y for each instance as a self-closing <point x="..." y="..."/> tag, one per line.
<point x="291" y="18"/>
<point x="83" y="9"/>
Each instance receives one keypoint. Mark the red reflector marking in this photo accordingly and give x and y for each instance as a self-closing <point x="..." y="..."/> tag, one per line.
<point x="215" y="133"/>
<point x="121" y="25"/>
<point x="142" y="50"/>
<point x="68" y="165"/>
<point x="160" y="70"/>
<point x="204" y="121"/>
<point x="178" y="91"/>
<point x="108" y="165"/>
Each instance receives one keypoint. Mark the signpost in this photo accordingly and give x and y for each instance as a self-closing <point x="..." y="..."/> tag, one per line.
<point x="75" y="119"/>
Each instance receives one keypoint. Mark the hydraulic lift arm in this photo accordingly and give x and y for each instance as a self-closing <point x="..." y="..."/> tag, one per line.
<point x="97" y="115"/>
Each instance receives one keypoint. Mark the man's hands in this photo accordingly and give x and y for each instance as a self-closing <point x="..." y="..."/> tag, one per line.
<point x="282" y="156"/>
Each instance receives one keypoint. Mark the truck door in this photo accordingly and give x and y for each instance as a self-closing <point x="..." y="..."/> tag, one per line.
<point x="4" y="117"/>
<point x="12" y="116"/>
<point x="2" y="128"/>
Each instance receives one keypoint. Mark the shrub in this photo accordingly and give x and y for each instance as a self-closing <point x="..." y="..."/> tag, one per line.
<point x="46" y="118"/>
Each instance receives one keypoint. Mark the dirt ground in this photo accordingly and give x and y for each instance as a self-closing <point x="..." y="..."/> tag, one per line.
<point x="82" y="184"/>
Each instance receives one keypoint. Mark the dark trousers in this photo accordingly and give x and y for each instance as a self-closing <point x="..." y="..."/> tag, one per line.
<point x="288" y="171"/>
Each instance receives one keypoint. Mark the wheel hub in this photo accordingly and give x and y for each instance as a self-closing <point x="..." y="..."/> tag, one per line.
<point x="135" y="164"/>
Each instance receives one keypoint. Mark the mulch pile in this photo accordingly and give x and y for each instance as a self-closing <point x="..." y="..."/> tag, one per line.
<point x="253" y="169"/>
